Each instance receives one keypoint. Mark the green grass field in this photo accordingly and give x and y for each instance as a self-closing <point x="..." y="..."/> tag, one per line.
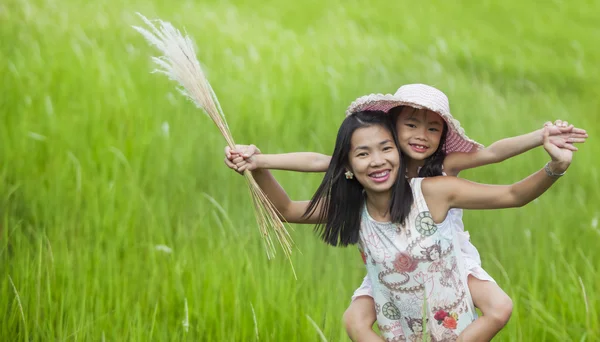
<point x="102" y="161"/>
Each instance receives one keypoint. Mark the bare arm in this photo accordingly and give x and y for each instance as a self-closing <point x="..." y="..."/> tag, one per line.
<point x="443" y="193"/>
<point x="298" y="161"/>
<point x="561" y="136"/>
<point x="249" y="157"/>
<point x="291" y="211"/>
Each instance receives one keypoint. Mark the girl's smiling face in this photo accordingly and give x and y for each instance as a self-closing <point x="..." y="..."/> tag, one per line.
<point x="374" y="158"/>
<point x="419" y="132"/>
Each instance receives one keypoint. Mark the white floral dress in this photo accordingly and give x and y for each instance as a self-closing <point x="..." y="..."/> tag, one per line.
<point x="417" y="274"/>
<point x="469" y="253"/>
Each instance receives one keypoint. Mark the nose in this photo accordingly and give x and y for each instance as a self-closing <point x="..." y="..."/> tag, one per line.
<point x="421" y="133"/>
<point x="378" y="159"/>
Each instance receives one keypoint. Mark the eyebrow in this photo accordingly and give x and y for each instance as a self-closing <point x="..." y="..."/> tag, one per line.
<point x="419" y="121"/>
<point x="386" y="141"/>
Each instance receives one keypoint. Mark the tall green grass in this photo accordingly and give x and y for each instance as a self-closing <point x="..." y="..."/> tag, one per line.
<point x="101" y="161"/>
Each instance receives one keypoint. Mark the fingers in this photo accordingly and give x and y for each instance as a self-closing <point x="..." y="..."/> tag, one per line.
<point x="230" y="164"/>
<point x="243" y="166"/>
<point x="239" y="162"/>
<point x="238" y="159"/>
<point x="561" y="123"/>
<point x="235" y="167"/>
<point x="566" y="129"/>
<point x="579" y="131"/>
<point x="576" y="140"/>
<point x="570" y="147"/>
<point x="249" y="151"/>
<point x="231" y="153"/>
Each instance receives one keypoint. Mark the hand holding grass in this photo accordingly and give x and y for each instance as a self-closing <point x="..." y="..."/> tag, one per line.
<point x="242" y="158"/>
<point x="179" y="63"/>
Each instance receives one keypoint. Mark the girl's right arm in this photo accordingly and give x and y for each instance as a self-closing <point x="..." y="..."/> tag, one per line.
<point x="290" y="211"/>
<point x="248" y="157"/>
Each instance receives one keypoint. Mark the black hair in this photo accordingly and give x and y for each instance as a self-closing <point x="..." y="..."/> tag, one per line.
<point x="432" y="165"/>
<point x="342" y="199"/>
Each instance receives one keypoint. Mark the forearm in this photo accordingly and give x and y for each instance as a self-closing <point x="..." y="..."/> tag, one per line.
<point x="535" y="185"/>
<point x="495" y="153"/>
<point x="452" y="192"/>
<point x="298" y="161"/>
<point x="290" y="211"/>
<point x="510" y="147"/>
<point x="275" y="193"/>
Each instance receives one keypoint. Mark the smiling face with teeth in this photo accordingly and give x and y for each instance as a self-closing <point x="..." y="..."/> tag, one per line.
<point x="419" y="132"/>
<point x="374" y="158"/>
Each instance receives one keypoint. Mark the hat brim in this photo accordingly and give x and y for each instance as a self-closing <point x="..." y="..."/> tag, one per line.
<point x="456" y="139"/>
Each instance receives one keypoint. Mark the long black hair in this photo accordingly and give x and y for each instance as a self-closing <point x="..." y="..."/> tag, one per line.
<point x="434" y="164"/>
<point x="342" y="199"/>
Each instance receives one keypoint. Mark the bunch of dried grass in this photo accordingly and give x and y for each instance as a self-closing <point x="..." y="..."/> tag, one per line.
<point x="179" y="63"/>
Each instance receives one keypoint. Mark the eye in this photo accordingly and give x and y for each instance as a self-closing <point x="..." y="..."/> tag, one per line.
<point x="434" y="130"/>
<point x="388" y="148"/>
<point x="362" y="154"/>
<point x="410" y="125"/>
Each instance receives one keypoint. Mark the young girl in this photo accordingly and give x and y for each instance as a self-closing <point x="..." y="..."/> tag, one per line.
<point x="432" y="140"/>
<point x="404" y="232"/>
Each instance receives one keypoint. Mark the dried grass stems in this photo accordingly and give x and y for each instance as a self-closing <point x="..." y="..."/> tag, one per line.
<point x="179" y="63"/>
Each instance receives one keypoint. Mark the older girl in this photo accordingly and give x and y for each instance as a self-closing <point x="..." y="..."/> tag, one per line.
<point x="404" y="231"/>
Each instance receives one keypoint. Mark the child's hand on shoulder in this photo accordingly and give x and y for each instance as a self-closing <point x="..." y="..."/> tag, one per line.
<point x="241" y="158"/>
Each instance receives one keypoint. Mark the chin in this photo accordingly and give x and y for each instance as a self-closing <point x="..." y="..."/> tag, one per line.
<point x="385" y="187"/>
<point x="418" y="156"/>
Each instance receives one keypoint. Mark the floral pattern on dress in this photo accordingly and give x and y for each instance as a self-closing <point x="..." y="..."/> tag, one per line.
<point x="418" y="287"/>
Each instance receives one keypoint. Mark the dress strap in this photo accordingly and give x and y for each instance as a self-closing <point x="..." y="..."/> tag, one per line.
<point x="419" y="200"/>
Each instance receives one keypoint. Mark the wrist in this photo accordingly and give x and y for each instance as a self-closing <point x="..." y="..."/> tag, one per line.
<point x="556" y="168"/>
<point x="539" y="136"/>
<point x="259" y="160"/>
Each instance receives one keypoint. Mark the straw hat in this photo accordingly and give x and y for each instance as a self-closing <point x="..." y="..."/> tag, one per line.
<point x="420" y="96"/>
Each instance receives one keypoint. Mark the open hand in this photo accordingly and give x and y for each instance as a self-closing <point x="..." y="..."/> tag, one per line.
<point x="564" y="135"/>
<point x="561" y="156"/>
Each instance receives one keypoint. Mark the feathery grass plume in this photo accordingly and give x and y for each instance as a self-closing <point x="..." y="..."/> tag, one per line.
<point x="179" y="63"/>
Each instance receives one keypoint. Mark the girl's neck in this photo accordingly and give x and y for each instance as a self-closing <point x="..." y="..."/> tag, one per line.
<point x="378" y="206"/>
<point x="412" y="167"/>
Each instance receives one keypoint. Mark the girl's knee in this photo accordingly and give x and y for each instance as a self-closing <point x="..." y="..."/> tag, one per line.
<point x="359" y="317"/>
<point x="354" y="320"/>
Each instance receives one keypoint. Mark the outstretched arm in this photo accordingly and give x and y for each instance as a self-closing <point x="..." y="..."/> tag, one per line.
<point x="562" y="135"/>
<point x="443" y="193"/>
<point x="251" y="159"/>
<point x="290" y="211"/>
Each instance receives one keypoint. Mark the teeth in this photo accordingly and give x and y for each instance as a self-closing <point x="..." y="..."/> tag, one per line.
<point x="379" y="174"/>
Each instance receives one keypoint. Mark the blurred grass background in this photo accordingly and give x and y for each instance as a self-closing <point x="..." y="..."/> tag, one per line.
<point x="102" y="161"/>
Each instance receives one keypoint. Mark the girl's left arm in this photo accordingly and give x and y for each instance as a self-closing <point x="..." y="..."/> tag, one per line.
<point x="443" y="193"/>
<point x="561" y="136"/>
